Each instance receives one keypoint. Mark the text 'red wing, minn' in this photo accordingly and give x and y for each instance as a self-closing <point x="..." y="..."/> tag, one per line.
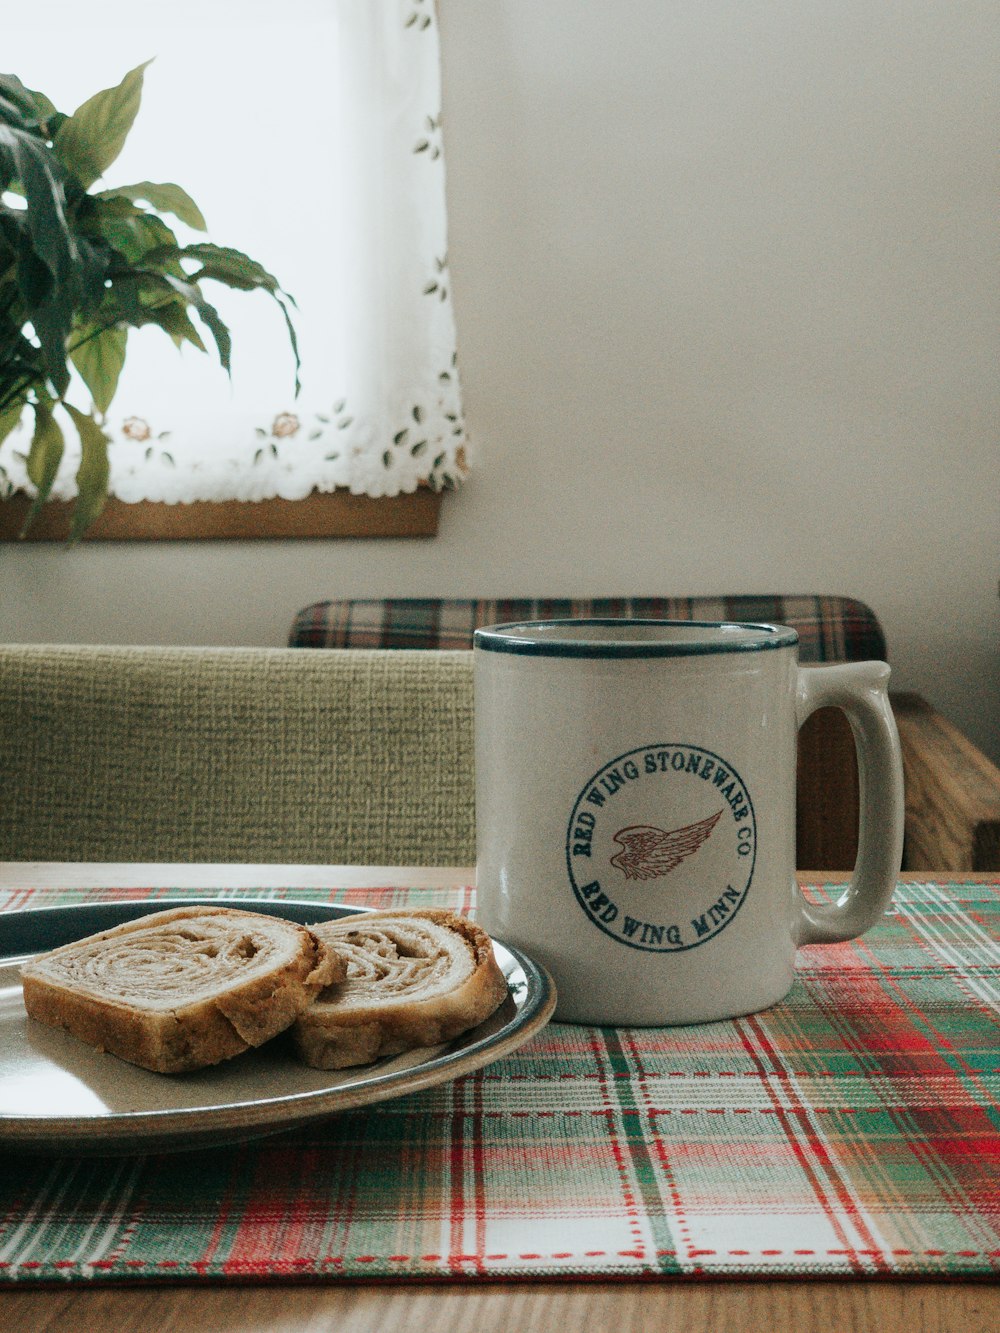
<point x="649" y="853"/>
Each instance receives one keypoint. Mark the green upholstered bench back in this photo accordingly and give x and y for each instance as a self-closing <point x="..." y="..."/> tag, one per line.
<point x="215" y="754"/>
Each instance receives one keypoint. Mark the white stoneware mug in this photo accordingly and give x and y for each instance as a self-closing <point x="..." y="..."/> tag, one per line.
<point x="635" y="810"/>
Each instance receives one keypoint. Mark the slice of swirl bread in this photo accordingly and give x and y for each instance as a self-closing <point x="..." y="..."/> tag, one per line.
<point x="181" y="989"/>
<point x="414" y="979"/>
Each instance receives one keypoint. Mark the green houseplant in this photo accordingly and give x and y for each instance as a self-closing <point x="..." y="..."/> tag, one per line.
<point x="80" y="267"/>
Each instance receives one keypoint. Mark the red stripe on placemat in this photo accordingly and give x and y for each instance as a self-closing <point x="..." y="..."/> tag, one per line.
<point x="905" y="1005"/>
<point x="478" y="1167"/>
<point x="258" y="1227"/>
<point x="221" y="1222"/>
<point x="812" y="1147"/>
<point x="456" y="1172"/>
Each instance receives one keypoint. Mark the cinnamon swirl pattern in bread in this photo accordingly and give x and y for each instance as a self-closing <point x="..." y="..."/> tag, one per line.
<point x="181" y="989"/>
<point x="414" y="979"/>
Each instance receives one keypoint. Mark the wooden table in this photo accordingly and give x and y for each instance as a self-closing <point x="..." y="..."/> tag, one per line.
<point x="703" y="1307"/>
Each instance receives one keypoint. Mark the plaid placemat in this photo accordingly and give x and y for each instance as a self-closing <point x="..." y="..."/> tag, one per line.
<point x="850" y="1131"/>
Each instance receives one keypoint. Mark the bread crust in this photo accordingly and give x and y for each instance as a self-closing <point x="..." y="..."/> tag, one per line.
<point x="230" y="1019"/>
<point x="333" y="1035"/>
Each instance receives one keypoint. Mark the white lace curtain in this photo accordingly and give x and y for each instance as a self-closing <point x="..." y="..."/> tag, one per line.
<point x="309" y="133"/>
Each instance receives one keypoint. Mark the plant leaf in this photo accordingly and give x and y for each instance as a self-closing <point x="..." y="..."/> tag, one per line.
<point x="93" y="262"/>
<point x="10" y="416"/>
<point x="235" y="269"/>
<point x="165" y="198"/>
<point x="172" y="317"/>
<point x="293" y="340"/>
<point x="52" y="319"/>
<point x="93" y="136"/>
<point x="47" y="259"/>
<point x="211" y="318"/>
<point x="11" y="114"/>
<point x="17" y="104"/>
<point x="230" y="266"/>
<point x="27" y="109"/>
<point x="134" y="234"/>
<point x="99" y="358"/>
<point x="24" y="158"/>
<point x="208" y="315"/>
<point x="92" y="474"/>
<point x="44" y="457"/>
<point x="22" y="367"/>
<point x="44" y="108"/>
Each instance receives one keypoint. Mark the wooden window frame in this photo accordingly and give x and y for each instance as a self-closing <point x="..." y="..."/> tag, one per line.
<point x="328" y="514"/>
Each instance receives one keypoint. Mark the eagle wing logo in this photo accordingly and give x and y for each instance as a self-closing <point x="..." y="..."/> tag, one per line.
<point x="651" y="853"/>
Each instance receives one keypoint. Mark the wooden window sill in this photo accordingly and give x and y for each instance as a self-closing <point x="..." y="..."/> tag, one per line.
<point x="332" y="514"/>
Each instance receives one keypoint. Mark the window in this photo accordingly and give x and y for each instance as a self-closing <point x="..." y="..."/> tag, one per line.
<point x="309" y="134"/>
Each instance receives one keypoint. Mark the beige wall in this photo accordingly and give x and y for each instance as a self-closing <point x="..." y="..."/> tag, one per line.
<point x="725" y="277"/>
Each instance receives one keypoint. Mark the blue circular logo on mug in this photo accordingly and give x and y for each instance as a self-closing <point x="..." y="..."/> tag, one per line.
<point x="661" y="847"/>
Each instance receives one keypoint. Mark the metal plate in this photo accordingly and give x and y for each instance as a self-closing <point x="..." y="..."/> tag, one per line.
<point x="58" y="1095"/>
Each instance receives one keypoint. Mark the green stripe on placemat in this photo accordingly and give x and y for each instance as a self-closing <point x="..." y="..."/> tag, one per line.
<point x="640" y="1151"/>
<point x="852" y="1130"/>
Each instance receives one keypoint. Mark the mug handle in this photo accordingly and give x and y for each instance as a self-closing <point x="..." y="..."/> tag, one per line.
<point x="860" y="689"/>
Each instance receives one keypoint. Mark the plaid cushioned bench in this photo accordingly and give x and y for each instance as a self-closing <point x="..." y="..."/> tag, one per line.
<point x="831" y="629"/>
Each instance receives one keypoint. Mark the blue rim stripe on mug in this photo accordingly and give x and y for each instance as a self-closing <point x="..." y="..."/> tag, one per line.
<point x="549" y="638"/>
